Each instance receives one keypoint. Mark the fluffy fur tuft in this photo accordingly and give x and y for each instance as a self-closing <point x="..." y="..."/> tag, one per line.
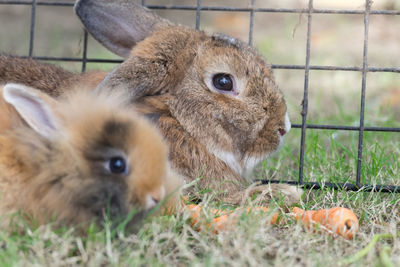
<point x="67" y="175"/>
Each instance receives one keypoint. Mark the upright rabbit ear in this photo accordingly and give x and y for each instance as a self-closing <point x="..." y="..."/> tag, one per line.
<point x="118" y="24"/>
<point x="35" y="108"/>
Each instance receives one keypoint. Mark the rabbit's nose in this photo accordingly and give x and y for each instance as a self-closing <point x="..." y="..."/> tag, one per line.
<point x="153" y="198"/>
<point x="288" y="125"/>
<point x="151" y="202"/>
<point x="282" y="131"/>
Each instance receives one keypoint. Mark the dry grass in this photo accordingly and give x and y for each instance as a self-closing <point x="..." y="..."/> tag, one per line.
<point x="331" y="155"/>
<point x="169" y="240"/>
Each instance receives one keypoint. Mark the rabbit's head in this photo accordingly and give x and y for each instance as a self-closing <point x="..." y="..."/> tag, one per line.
<point x="84" y="157"/>
<point x="219" y="89"/>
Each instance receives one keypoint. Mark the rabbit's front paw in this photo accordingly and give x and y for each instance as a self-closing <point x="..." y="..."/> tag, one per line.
<point x="264" y="193"/>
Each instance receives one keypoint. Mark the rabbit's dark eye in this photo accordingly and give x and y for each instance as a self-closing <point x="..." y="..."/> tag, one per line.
<point x="223" y="81"/>
<point x="117" y="165"/>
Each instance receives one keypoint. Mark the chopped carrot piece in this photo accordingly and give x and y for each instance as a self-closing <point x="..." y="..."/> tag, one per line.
<point x="224" y="218"/>
<point x="337" y="220"/>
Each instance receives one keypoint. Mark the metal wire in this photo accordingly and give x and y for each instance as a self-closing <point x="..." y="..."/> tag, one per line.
<point x="220" y="8"/>
<point x="341" y="186"/>
<point x="84" y="55"/>
<point x="198" y="14"/>
<point x="367" y="12"/>
<point x="32" y="28"/>
<point x="251" y="22"/>
<point x="305" y="98"/>
<point x="363" y="86"/>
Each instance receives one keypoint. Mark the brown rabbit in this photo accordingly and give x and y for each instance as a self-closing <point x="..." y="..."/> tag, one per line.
<point x="78" y="159"/>
<point x="213" y="97"/>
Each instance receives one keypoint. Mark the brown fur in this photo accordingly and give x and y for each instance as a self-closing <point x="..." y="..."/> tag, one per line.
<point x="46" y="77"/>
<point x="165" y="75"/>
<point x="65" y="178"/>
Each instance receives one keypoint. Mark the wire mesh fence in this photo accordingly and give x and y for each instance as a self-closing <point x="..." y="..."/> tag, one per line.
<point x="304" y="127"/>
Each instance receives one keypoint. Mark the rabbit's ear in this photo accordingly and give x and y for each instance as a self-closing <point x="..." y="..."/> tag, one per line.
<point x="118" y="24"/>
<point x="35" y="108"/>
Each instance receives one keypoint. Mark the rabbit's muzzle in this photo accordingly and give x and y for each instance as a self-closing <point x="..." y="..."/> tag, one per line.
<point x="102" y="201"/>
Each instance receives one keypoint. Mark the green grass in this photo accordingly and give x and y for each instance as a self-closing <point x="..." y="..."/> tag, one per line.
<point x="331" y="156"/>
<point x="170" y="240"/>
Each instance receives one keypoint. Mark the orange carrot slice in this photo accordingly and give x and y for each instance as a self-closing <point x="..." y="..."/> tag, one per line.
<point x="224" y="218"/>
<point x="337" y="220"/>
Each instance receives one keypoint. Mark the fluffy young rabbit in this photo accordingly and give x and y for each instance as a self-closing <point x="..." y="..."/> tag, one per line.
<point x="213" y="97"/>
<point x="78" y="159"/>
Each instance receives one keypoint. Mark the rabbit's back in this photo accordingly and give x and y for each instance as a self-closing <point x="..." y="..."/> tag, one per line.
<point x="46" y="77"/>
